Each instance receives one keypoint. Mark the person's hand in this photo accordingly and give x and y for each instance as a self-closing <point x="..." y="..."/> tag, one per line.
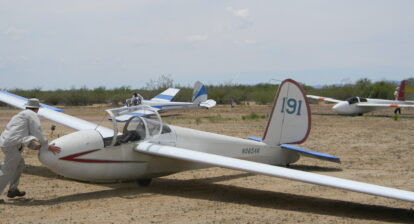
<point x="53" y="148"/>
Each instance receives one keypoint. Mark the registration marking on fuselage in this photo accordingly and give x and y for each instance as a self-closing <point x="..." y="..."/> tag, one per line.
<point x="251" y="150"/>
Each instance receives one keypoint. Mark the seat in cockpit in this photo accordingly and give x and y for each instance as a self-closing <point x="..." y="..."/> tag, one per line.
<point x="130" y="136"/>
<point x="134" y="130"/>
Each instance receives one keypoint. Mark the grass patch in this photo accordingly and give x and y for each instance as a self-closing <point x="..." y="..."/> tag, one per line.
<point x="217" y="119"/>
<point x="395" y="117"/>
<point x="253" y="116"/>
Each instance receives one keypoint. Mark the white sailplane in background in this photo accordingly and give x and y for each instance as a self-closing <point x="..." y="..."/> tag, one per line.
<point x="359" y="105"/>
<point x="148" y="148"/>
<point x="162" y="102"/>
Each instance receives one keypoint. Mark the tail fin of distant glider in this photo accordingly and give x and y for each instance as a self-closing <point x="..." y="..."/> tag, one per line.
<point x="406" y="90"/>
<point x="290" y="118"/>
<point x="401" y="91"/>
<point x="199" y="93"/>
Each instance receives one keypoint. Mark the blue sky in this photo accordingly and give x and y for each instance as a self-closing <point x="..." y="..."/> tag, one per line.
<point x="63" y="44"/>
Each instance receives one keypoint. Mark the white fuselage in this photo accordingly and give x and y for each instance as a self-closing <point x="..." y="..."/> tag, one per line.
<point x="345" y="108"/>
<point x="84" y="157"/>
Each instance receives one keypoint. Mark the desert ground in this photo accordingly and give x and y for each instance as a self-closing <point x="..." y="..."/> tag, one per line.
<point x="373" y="148"/>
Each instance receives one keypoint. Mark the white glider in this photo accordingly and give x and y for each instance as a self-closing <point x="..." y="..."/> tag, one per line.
<point x="163" y="103"/>
<point x="359" y="105"/>
<point x="148" y="148"/>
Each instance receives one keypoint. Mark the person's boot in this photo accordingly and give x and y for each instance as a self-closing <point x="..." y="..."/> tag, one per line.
<point x="15" y="193"/>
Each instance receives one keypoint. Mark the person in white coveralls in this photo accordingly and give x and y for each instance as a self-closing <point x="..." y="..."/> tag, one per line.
<point x="396" y="96"/>
<point x="22" y="130"/>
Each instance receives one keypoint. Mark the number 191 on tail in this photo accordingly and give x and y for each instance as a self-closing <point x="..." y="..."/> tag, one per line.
<point x="291" y="106"/>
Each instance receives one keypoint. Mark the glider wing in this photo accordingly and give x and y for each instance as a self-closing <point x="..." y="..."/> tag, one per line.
<point x="260" y="168"/>
<point x="51" y="113"/>
<point x="167" y="95"/>
<point x="321" y="98"/>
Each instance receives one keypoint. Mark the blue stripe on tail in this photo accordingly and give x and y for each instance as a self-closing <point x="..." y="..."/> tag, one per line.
<point x="164" y="97"/>
<point x="201" y="92"/>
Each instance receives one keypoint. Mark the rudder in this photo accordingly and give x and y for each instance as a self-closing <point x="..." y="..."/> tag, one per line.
<point x="290" y="118"/>
<point x="199" y="93"/>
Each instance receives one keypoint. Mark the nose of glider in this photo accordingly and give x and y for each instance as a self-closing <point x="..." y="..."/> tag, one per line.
<point x="340" y="107"/>
<point x="71" y="146"/>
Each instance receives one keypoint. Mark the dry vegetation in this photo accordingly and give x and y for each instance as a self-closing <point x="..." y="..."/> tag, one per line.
<point x="373" y="148"/>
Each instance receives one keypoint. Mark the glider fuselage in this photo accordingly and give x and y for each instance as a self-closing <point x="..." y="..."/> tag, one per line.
<point x="85" y="157"/>
<point x="357" y="108"/>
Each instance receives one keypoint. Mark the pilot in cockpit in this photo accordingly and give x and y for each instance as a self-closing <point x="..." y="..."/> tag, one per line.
<point x="136" y="99"/>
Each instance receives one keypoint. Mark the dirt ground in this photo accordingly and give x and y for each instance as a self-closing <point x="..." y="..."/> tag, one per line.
<point x="373" y="148"/>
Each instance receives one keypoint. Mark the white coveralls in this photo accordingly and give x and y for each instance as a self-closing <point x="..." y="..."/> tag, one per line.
<point x="21" y="128"/>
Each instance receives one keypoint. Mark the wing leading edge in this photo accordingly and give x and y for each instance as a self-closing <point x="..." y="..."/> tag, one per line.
<point x="321" y="98"/>
<point x="49" y="113"/>
<point x="260" y="168"/>
<point x="19" y="101"/>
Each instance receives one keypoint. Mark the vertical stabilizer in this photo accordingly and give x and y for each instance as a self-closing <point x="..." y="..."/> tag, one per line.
<point x="401" y="91"/>
<point x="199" y="93"/>
<point x="290" y="118"/>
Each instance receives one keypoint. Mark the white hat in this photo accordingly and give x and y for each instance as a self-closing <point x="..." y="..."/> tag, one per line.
<point x="32" y="103"/>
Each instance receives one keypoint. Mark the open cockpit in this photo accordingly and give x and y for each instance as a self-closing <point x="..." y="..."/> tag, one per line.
<point x="136" y="128"/>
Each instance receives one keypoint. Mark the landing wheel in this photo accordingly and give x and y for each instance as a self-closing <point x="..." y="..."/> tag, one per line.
<point x="144" y="182"/>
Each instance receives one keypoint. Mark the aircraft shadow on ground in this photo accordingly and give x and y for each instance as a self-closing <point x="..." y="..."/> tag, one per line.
<point x="171" y="115"/>
<point x="324" y="114"/>
<point x="366" y="115"/>
<point x="40" y="171"/>
<point x="207" y="189"/>
<point x="390" y="116"/>
<point x="309" y="168"/>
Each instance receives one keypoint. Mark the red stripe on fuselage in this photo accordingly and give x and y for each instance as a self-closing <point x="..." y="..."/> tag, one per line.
<point x="74" y="158"/>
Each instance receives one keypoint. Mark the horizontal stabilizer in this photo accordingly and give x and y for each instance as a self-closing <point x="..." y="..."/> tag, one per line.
<point x="255" y="139"/>
<point x="282" y="172"/>
<point x="167" y="95"/>
<point x="310" y="153"/>
<point x="321" y="98"/>
<point x="208" y="104"/>
<point x="304" y="152"/>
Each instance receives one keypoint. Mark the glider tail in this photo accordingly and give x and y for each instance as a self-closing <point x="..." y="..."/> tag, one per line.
<point x="290" y="118"/>
<point x="199" y="93"/>
<point x="401" y="91"/>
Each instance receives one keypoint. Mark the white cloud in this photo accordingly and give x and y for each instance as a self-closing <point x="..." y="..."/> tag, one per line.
<point x="238" y="12"/>
<point x="246" y="42"/>
<point x="15" y="33"/>
<point x="197" y="37"/>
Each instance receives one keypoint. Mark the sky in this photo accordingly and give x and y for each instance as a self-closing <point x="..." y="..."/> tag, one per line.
<point x="53" y="44"/>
